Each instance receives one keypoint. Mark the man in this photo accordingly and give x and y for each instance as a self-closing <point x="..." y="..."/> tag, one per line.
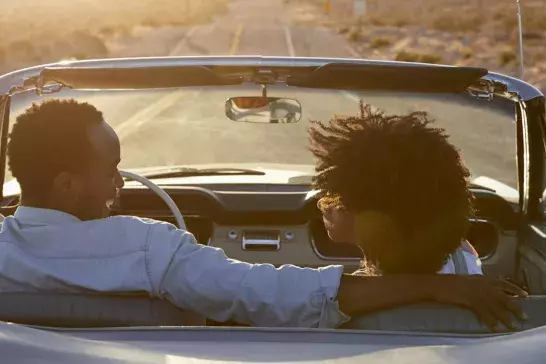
<point x="65" y="157"/>
<point x="398" y="189"/>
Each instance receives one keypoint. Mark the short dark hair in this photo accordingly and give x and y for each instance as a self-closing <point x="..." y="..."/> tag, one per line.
<point x="401" y="167"/>
<point x="50" y="138"/>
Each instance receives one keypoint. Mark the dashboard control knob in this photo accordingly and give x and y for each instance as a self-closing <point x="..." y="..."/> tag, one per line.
<point x="232" y="234"/>
<point x="289" y="235"/>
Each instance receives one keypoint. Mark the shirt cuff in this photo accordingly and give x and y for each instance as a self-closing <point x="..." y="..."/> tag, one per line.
<point x="330" y="315"/>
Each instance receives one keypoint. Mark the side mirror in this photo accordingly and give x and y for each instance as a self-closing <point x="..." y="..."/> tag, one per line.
<point x="257" y="109"/>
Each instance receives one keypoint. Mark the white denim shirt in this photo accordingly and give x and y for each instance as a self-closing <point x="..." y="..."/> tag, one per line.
<point x="48" y="250"/>
<point x="473" y="265"/>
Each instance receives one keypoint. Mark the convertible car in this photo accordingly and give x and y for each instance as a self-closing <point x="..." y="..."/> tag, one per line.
<point x="218" y="146"/>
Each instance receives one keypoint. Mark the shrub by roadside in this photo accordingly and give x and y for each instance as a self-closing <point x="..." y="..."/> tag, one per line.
<point x="405" y="56"/>
<point x="479" y="33"/>
<point x="48" y="31"/>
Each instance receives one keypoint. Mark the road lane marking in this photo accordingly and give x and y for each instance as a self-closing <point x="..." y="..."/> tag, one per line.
<point x="350" y="95"/>
<point x="147" y="115"/>
<point x="144" y="115"/>
<point x="236" y="39"/>
<point x="353" y="51"/>
<point x="178" y="47"/>
<point x="289" y="44"/>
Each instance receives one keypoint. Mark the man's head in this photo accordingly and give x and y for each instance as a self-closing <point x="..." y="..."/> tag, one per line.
<point x="65" y="157"/>
<point x="393" y="185"/>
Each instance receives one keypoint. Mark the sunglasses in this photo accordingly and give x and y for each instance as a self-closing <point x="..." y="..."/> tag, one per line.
<point x="330" y="202"/>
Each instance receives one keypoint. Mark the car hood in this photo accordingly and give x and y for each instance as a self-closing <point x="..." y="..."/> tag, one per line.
<point x="21" y="344"/>
<point x="273" y="174"/>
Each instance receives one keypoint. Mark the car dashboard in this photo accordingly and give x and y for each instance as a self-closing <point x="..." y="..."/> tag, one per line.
<point x="281" y="224"/>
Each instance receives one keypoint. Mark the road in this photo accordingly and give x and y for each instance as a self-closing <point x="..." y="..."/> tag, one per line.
<point x="189" y="127"/>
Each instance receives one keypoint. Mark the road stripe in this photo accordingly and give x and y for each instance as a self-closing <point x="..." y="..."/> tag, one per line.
<point x="127" y="127"/>
<point x="146" y="114"/>
<point x="236" y="39"/>
<point x="352" y="51"/>
<point x="350" y="95"/>
<point x="289" y="44"/>
<point x="178" y="47"/>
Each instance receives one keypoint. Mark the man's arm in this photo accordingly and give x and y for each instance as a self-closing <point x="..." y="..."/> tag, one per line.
<point x="489" y="298"/>
<point x="204" y="280"/>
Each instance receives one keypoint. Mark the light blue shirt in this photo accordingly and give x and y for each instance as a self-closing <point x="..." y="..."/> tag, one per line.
<point x="48" y="250"/>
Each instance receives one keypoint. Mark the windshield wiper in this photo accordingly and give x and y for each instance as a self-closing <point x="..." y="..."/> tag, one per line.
<point x="190" y="172"/>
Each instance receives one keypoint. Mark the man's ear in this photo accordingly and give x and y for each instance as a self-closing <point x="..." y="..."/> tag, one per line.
<point x="66" y="183"/>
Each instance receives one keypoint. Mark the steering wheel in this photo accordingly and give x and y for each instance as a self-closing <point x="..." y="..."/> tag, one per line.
<point x="162" y="194"/>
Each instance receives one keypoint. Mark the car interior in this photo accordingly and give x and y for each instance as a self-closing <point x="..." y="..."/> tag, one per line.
<point x="287" y="228"/>
<point x="281" y="224"/>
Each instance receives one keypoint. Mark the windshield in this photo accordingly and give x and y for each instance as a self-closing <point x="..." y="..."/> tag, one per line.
<point x="188" y="126"/>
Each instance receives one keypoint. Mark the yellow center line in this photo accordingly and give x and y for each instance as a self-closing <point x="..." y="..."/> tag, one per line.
<point x="236" y="39"/>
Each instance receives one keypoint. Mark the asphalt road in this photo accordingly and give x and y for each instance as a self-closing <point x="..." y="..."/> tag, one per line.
<point x="189" y="126"/>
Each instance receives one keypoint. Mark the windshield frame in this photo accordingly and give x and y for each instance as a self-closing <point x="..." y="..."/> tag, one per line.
<point x="489" y="85"/>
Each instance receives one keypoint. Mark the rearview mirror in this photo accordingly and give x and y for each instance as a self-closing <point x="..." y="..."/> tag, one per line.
<point x="258" y="109"/>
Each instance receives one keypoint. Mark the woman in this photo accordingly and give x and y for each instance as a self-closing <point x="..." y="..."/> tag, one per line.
<point x="397" y="188"/>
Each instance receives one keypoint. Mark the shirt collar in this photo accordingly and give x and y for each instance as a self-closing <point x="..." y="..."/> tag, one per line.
<point x="38" y="216"/>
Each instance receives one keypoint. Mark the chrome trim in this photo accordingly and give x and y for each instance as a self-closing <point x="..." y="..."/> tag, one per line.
<point x="515" y="86"/>
<point x="537" y="231"/>
<point x="18" y="77"/>
<point x="5" y="105"/>
<point x="481" y="220"/>
<point x="261" y="244"/>
<point x="324" y="257"/>
<point x="341" y="335"/>
<point x="498" y="232"/>
<point x="232" y="234"/>
<point x="525" y="189"/>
